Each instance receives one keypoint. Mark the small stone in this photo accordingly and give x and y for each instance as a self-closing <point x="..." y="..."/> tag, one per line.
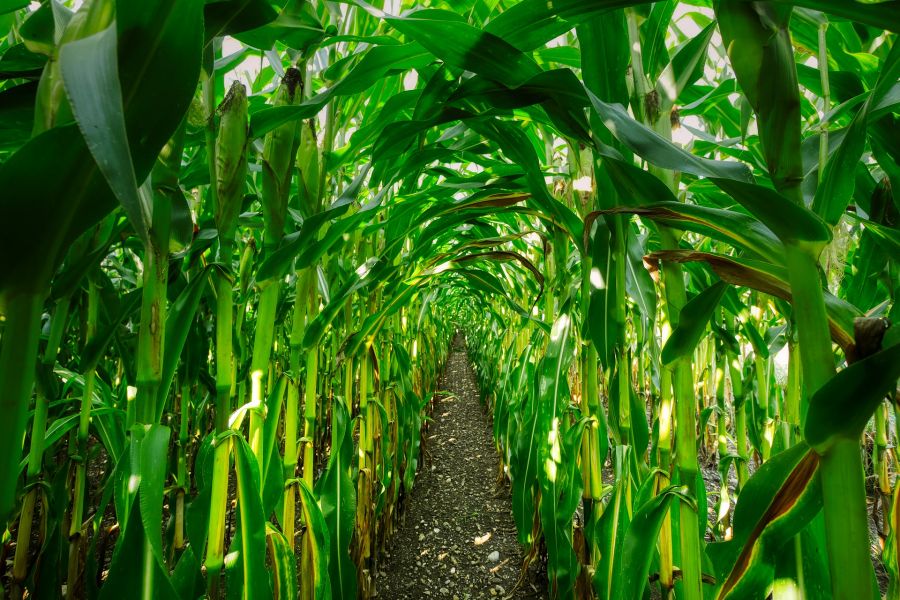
<point x="421" y="537"/>
<point x="445" y="591"/>
<point x="494" y="556"/>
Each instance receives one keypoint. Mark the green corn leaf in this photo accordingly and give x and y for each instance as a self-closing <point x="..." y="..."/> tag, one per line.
<point x="633" y="564"/>
<point x="777" y="502"/>
<point x="178" y="324"/>
<point x="374" y="269"/>
<point x="527" y="25"/>
<point x="653" y="33"/>
<point x="638" y="282"/>
<point x="789" y="221"/>
<point x="892" y="543"/>
<point x="16" y="114"/>
<point x="279" y="262"/>
<point x="284" y="568"/>
<point x="888" y="238"/>
<point x="488" y="284"/>
<point x="197" y="513"/>
<point x="515" y="145"/>
<point x="186" y="578"/>
<point x="687" y="65"/>
<point x="64" y="425"/>
<point x="613" y="527"/>
<point x="562" y="494"/>
<point x="90" y="71"/>
<point x="771" y="279"/>
<point x="229" y="17"/>
<point x="266" y="120"/>
<point x="605" y="57"/>
<point x="735" y="228"/>
<point x="842" y="407"/>
<point x="869" y="263"/>
<point x="19" y="61"/>
<point x="162" y="52"/>
<point x="297" y="26"/>
<point x="632" y="182"/>
<point x="881" y="15"/>
<point x="54" y="191"/>
<point x="472" y="49"/>
<point x="28" y="204"/>
<point x="39" y="31"/>
<point x="555" y="459"/>
<point x="272" y="476"/>
<point x="139" y="552"/>
<point x="251" y="523"/>
<point x="602" y="326"/>
<point x="95" y="349"/>
<point x="317" y="542"/>
<point x="760" y="51"/>
<point x="532" y="23"/>
<point x="373" y="67"/>
<point x="836" y="189"/>
<point x="649" y="145"/>
<point x="130" y="576"/>
<point x="524" y="468"/>
<point x="337" y="499"/>
<point x="692" y="322"/>
<point x="7" y="6"/>
<point x="153" y="443"/>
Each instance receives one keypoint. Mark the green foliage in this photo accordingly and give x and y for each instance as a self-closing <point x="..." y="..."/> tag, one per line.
<point x="237" y="238"/>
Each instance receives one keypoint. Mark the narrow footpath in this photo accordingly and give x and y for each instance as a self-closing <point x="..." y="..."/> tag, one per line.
<point x="458" y="538"/>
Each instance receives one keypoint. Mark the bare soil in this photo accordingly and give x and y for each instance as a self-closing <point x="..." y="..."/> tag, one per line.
<point x="459" y="512"/>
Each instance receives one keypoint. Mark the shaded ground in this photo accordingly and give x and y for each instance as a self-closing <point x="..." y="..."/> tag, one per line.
<point x="458" y="538"/>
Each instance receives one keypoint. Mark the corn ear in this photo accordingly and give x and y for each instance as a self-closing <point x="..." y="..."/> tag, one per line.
<point x="277" y="160"/>
<point x="51" y="103"/>
<point x="231" y="161"/>
<point x="308" y="163"/>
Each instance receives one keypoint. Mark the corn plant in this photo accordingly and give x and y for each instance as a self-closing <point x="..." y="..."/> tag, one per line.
<point x="237" y="237"/>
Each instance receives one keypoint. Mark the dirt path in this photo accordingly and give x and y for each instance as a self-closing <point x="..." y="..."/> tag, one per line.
<point x="458" y="539"/>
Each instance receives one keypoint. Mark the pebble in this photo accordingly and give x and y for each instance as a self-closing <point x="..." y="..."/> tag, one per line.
<point x="494" y="556"/>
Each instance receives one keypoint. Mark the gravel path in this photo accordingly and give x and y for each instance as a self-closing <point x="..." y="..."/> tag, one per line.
<point x="458" y="538"/>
